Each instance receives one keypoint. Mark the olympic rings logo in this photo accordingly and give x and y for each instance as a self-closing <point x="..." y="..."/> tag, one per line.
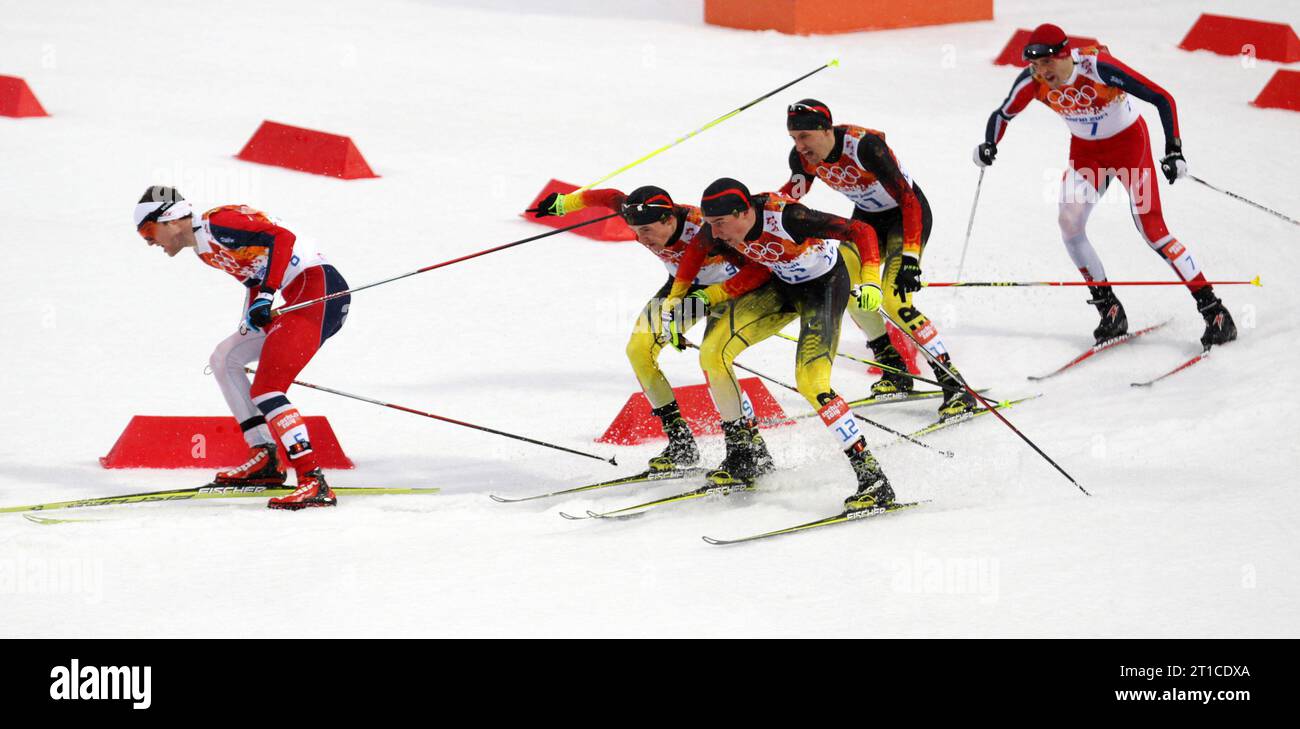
<point x="1072" y="97"/>
<point x="769" y="252"/>
<point x="839" y="176"/>
<point x="224" y="261"/>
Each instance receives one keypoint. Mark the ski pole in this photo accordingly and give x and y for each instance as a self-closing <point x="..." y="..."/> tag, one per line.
<point x="337" y="294"/>
<point x="856" y="414"/>
<point x="461" y="423"/>
<point x="985" y="403"/>
<point x="829" y="64"/>
<point x="938" y="284"/>
<point x="1246" y="200"/>
<point x="970" y="223"/>
<point x="882" y="366"/>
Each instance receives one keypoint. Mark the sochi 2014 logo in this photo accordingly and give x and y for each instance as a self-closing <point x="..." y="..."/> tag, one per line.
<point x="1072" y="97"/>
<point x="670" y="255"/>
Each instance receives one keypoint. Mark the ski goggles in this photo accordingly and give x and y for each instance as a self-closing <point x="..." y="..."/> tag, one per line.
<point x="806" y="116"/>
<point x="1035" y="51"/>
<point x="644" y="213"/>
<point x="148" y="215"/>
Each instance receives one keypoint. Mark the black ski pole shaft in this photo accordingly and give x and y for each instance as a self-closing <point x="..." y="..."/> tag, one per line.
<point x="857" y="415"/>
<point x="512" y="244"/>
<point x="1246" y="200"/>
<point x="962" y="381"/>
<point x="453" y="421"/>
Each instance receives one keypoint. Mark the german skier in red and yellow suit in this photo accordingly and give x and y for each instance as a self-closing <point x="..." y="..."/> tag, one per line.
<point x="811" y="282"/>
<point x="857" y="163"/>
<point x="667" y="230"/>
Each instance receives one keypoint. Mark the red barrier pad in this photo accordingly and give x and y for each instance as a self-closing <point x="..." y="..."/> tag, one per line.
<point x="1230" y="36"/>
<point x="1011" y="52"/>
<point x="637" y="424"/>
<point x="907" y="349"/>
<point x="17" y="99"/>
<point x="151" y="441"/>
<point x="613" y="229"/>
<point x="1282" y="91"/>
<point x="306" y="150"/>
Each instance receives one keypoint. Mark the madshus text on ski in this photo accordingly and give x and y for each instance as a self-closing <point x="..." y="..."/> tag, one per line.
<point x="745" y="263"/>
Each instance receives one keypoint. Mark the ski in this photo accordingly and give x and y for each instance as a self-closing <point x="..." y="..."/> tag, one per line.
<point x="1204" y="353"/>
<point x="51" y="520"/>
<point x="895" y="397"/>
<point x="628" y="512"/>
<point x="841" y="518"/>
<point x="1099" y="348"/>
<point x="210" y="491"/>
<point x="868" y="402"/>
<point x="643" y="477"/>
<point x="966" y="417"/>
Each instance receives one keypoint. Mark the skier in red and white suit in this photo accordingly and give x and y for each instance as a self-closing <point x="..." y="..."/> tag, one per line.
<point x="265" y="257"/>
<point x="1091" y="91"/>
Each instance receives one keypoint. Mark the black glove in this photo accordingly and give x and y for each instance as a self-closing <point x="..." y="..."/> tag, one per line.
<point x="259" y="312"/>
<point x="1173" y="164"/>
<point x="908" y="278"/>
<point x="985" y="153"/>
<point x="546" y="206"/>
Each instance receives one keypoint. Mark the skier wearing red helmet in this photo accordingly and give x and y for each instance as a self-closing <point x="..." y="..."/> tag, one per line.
<point x="1091" y="90"/>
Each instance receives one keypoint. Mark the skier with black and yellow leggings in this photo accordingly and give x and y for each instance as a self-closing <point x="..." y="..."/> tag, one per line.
<point x="811" y="282"/>
<point x="857" y="163"/>
<point x="666" y="230"/>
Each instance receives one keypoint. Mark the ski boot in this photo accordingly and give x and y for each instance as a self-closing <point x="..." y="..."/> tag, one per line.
<point x="261" y="469"/>
<point x="1113" y="321"/>
<point x="312" y="491"/>
<point x="956" y="400"/>
<point x="890" y="383"/>
<point x="1219" y="327"/>
<point x="747" y="457"/>
<point x="873" y="487"/>
<point x="681" y="451"/>
<point x="762" y="459"/>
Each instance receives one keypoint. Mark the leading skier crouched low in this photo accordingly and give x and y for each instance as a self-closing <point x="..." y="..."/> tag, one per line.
<point x="265" y="257"/>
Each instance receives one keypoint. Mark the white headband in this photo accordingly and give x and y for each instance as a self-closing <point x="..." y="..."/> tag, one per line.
<point x="162" y="211"/>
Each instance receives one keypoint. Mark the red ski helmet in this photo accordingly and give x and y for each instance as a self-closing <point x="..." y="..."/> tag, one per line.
<point x="1047" y="41"/>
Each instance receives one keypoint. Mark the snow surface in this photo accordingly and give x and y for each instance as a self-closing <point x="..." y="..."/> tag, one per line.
<point x="466" y="109"/>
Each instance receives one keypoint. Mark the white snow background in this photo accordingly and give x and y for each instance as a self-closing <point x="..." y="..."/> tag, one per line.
<point x="465" y="109"/>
